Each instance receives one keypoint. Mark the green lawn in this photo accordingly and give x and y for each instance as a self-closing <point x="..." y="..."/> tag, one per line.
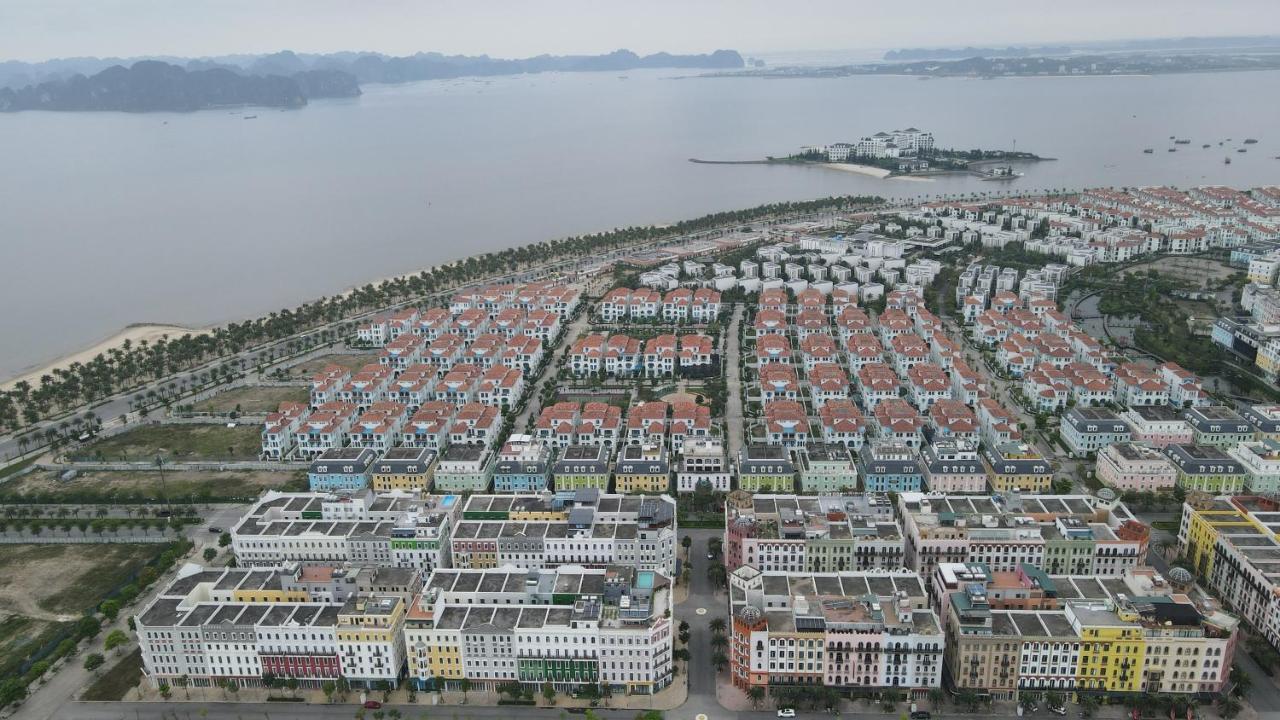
<point x="215" y="442"/>
<point x="252" y="400"/>
<point x="119" y="680"/>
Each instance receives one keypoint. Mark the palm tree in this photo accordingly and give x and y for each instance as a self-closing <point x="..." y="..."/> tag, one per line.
<point x="720" y="660"/>
<point x="717" y="625"/>
<point x="756" y="695"/>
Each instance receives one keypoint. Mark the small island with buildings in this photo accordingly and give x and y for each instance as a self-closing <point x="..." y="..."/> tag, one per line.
<point x="909" y="152"/>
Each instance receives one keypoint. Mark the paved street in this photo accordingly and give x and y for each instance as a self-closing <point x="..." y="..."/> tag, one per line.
<point x="733" y="383"/>
<point x="1002" y="390"/>
<point x="533" y="406"/>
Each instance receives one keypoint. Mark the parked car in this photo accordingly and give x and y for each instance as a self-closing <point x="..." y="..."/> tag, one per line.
<point x="1057" y="710"/>
<point x="920" y="715"/>
<point x="372" y="705"/>
<point x="213" y="529"/>
<point x="787" y="713"/>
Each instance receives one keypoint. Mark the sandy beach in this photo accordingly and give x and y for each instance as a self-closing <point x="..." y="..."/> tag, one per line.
<point x="134" y="333"/>
<point x="874" y="172"/>
<point x="871" y="171"/>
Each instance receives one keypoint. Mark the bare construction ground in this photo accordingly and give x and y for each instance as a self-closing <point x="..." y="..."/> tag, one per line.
<point x="251" y="400"/>
<point x="143" y="486"/>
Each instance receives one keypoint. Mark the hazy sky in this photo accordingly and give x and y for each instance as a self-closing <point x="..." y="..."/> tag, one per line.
<point x="41" y="29"/>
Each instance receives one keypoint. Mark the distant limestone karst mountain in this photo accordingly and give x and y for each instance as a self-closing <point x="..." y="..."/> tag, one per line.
<point x="284" y="79"/>
<point x="153" y="86"/>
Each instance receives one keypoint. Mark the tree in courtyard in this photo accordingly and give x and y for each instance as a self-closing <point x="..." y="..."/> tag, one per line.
<point x="93" y="661"/>
<point x="115" y="640"/>
<point x="685" y="542"/>
<point x="549" y="692"/>
<point x="110" y="608"/>
<point x="164" y="690"/>
<point x="717" y="625"/>
<point x="464" y="685"/>
<point x="328" y="687"/>
<point x="210" y="554"/>
<point x="224" y="539"/>
<point x="756" y="696"/>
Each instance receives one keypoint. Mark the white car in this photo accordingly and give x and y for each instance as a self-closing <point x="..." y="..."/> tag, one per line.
<point x="787" y="713"/>
<point x="1057" y="710"/>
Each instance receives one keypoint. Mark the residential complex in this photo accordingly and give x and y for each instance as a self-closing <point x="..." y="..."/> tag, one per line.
<point x="827" y="533"/>
<point x="1063" y="534"/>
<point x="859" y="630"/>
<point x="582" y="527"/>
<point x="572" y="627"/>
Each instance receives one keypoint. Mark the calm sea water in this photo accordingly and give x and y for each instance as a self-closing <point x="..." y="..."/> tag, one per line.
<point x="110" y="219"/>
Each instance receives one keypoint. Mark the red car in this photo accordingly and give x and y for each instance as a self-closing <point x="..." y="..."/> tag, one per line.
<point x="372" y="705"/>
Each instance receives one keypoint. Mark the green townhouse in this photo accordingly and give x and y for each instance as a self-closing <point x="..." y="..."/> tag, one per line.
<point x="766" y="468"/>
<point x="582" y="466"/>
<point x="1206" y="468"/>
<point x="1218" y="425"/>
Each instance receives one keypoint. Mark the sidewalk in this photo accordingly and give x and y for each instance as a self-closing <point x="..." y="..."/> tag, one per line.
<point x="669" y="698"/>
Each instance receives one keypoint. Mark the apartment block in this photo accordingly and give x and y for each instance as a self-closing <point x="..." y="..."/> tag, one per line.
<point x="405" y="469"/>
<point x="582" y="466"/>
<point x="574" y="628"/>
<point x="582" y="527"/>
<point x="1076" y="534"/>
<point x="827" y="533"/>
<point x="341" y="469"/>
<point x="1086" y="430"/>
<point x="395" y="529"/>
<point x="1206" y="468"/>
<point x="766" y="468"/>
<point x="855" y="631"/>
<point x="1135" y="467"/>
<point x="1157" y="644"/>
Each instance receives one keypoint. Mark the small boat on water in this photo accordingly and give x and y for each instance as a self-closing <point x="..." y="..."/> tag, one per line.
<point x="1205" y="145"/>
<point x="250" y="117"/>
<point x="1148" y="151"/>
<point x="1181" y="142"/>
<point x="1250" y="141"/>
<point x="1173" y="149"/>
<point x="1226" y="161"/>
<point x="1242" y="150"/>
